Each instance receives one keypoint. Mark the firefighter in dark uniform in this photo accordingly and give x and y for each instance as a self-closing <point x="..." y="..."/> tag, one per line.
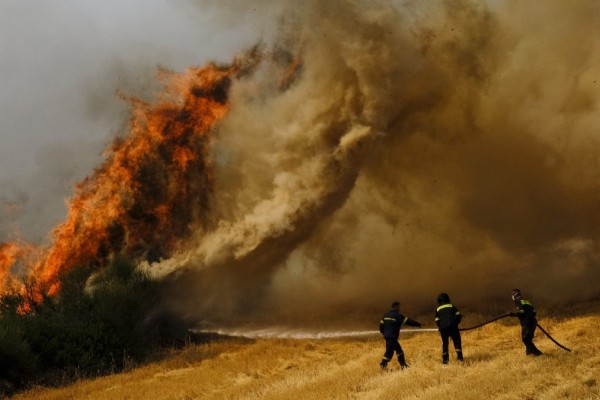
<point x="389" y="326"/>
<point x="447" y="318"/>
<point x="527" y="316"/>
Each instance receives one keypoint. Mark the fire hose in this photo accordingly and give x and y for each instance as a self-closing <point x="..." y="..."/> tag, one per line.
<point x="485" y="323"/>
<point x="551" y="338"/>
<point x="509" y="315"/>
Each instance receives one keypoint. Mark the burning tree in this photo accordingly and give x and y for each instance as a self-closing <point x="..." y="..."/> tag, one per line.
<point x="154" y="186"/>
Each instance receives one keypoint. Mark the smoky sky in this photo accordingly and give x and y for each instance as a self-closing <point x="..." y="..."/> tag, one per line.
<point x="61" y="66"/>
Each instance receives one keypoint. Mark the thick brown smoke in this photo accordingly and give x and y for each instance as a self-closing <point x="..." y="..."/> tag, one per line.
<point x="420" y="148"/>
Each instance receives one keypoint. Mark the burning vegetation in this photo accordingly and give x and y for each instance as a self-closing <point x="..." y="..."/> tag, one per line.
<point x="153" y="189"/>
<point x="82" y="307"/>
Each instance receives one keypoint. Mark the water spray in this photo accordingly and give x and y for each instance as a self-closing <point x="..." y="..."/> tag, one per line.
<point x="277" y="333"/>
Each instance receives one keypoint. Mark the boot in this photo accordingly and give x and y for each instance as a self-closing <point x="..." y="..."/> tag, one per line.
<point x="459" y="355"/>
<point x="531" y="350"/>
<point x="445" y="358"/>
<point x="402" y="361"/>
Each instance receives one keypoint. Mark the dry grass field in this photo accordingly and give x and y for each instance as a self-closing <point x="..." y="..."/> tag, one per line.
<point x="495" y="368"/>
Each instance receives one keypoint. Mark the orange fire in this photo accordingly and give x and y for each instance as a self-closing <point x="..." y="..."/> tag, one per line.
<point x="153" y="187"/>
<point x="8" y="256"/>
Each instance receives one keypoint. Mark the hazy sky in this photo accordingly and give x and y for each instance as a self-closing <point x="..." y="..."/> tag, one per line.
<point x="61" y="63"/>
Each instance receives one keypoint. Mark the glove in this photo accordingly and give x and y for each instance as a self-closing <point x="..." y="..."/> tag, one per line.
<point x="419" y="325"/>
<point x="514" y="314"/>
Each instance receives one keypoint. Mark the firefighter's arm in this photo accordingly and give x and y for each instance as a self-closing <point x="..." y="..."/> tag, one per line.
<point x="412" y="322"/>
<point x="457" y="316"/>
<point x="519" y="313"/>
<point x="381" y="326"/>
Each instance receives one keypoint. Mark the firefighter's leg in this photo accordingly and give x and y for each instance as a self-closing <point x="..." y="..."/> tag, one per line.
<point x="456" y="340"/>
<point x="389" y="352"/>
<point x="445" y="356"/>
<point x="526" y="339"/>
<point x="534" y="350"/>
<point x="527" y="333"/>
<point x="400" y="354"/>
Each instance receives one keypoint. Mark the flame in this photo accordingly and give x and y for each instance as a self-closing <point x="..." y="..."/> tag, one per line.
<point x="153" y="187"/>
<point x="131" y="203"/>
<point x="17" y="255"/>
<point x="8" y="256"/>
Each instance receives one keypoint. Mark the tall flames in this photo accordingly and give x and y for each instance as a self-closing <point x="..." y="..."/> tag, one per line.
<point x="152" y="189"/>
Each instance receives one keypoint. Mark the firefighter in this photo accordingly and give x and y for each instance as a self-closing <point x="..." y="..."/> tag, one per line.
<point x="389" y="326"/>
<point x="447" y="318"/>
<point x="527" y="316"/>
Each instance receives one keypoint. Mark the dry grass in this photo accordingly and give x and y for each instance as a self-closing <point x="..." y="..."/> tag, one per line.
<point x="495" y="368"/>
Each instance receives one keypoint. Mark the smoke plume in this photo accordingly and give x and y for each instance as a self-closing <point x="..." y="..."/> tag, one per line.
<point x="384" y="151"/>
<point x="448" y="147"/>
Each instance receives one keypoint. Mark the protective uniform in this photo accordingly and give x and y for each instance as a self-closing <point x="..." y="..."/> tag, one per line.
<point x="527" y="316"/>
<point x="389" y="326"/>
<point x="447" y="318"/>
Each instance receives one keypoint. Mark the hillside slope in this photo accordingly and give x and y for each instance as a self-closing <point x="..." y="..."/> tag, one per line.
<point x="495" y="368"/>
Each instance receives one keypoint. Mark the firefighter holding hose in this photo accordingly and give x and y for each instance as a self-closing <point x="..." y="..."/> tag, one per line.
<point x="527" y="316"/>
<point x="389" y="326"/>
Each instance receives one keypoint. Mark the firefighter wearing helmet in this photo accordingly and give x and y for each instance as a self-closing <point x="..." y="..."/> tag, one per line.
<point x="527" y="316"/>
<point x="447" y="318"/>
<point x="389" y="326"/>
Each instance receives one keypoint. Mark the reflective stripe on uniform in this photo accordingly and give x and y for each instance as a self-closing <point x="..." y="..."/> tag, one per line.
<point x="444" y="306"/>
<point x="405" y="319"/>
